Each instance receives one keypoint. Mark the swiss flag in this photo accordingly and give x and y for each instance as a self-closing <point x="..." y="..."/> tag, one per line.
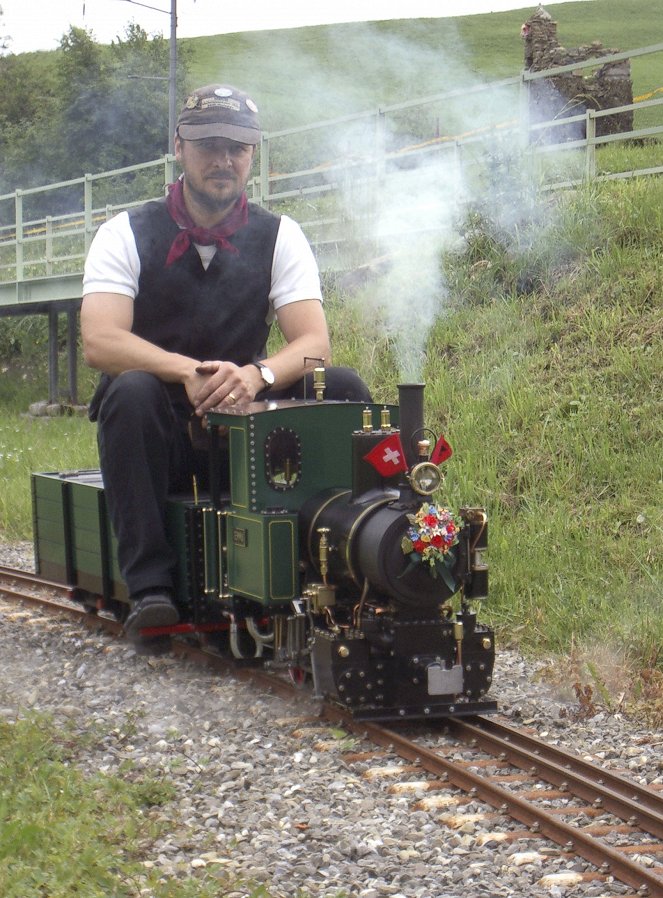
<point x="441" y="452"/>
<point x="388" y="456"/>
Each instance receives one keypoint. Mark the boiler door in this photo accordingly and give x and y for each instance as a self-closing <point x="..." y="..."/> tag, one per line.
<point x="380" y="558"/>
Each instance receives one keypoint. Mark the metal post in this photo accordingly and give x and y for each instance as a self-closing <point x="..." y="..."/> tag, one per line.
<point x="264" y="170"/>
<point x="380" y="146"/>
<point x="168" y="170"/>
<point x="525" y="105"/>
<point x="53" y="355"/>
<point x="590" y="145"/>
<point x="72" y="349"/>
<point x="87" y="211"/>
<point x="18" y="221"/>
<point x="172" y="78"/>
<point x="49" y="245"/>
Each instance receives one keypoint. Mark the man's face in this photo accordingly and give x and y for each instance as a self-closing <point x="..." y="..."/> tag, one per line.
<point x="216" y="171"/>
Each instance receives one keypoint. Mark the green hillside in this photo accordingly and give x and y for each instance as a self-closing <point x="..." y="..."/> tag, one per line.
<point x="304" y="75"/>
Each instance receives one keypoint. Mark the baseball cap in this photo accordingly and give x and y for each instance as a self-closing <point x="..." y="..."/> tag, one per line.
<point x="219" y="110"/>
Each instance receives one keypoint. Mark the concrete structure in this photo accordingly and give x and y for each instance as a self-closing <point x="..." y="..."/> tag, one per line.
<point x="571" y="93"/>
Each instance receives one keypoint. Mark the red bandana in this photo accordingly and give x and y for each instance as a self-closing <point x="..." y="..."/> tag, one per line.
<point x="191" y="233"/>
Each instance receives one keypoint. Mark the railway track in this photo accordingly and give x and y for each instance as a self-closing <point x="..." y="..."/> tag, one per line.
<point x="611" y="821"/>
<point x="464" y="767"/>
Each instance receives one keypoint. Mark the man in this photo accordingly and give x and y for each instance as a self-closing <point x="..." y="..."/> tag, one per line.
<point x="179" y="296"/>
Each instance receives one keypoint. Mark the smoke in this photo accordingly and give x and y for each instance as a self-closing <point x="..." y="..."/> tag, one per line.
<point x="413" y="220"/>
<point x="412" y="212"/>
<point x="406" y="184"/>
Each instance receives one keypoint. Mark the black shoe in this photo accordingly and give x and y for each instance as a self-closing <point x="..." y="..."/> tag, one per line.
<point x="152" y="609"/>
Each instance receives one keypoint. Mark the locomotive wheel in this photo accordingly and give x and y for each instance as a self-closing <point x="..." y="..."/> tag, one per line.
<point x="298" y="676"/>
<point x="87" y="599"/>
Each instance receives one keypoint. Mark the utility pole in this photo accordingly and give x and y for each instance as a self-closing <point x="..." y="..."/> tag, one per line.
<point x="172" y="69"/>
<point x="172" y="78"/>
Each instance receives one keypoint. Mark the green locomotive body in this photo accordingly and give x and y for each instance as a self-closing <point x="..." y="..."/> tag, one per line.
<point x="293" y="554"/>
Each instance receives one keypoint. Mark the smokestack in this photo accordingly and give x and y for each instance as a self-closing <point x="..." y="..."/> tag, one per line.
<point x="411" y="402"/>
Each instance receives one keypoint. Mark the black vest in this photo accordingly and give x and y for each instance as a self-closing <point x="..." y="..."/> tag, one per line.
<point x="208" y="314"/>
<point x="214" y="313"/>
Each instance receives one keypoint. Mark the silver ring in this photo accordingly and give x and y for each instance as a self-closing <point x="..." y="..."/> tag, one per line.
<point x="231" y="397"/>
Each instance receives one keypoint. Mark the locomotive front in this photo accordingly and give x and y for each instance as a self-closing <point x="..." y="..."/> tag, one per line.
<point x="391" y="576"/>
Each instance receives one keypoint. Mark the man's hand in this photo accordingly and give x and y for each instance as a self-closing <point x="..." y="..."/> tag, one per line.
<point x="215" y="383"/>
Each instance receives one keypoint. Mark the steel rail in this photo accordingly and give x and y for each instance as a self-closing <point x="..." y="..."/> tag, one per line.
<point x="607" y="860"/>
<point x="22" y="585"/>
<point x="14" y="585"/>
<point x="267" y="681"/>
<point x="627" y="800"/>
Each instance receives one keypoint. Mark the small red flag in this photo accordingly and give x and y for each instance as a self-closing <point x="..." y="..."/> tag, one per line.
<point x="388" y="456"/>
<point x="441" y="452"/>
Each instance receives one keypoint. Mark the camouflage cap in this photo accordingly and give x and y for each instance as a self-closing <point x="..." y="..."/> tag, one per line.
<point x="219" y="110"/>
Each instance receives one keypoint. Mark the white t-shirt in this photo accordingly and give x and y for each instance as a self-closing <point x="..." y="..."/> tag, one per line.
<point x="113" y="266"/>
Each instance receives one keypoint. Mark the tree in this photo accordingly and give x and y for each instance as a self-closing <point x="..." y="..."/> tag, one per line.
<point x="140" y="90"/>
<point x="27" y="99"/>
<point x="5" y="39"/>
<point x="83" y="83"/>
<point x="114" y="99"/>
<point x="92" y="107"/>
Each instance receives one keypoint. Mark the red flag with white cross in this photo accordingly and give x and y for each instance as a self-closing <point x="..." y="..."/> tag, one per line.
<point x="388" y="457"/>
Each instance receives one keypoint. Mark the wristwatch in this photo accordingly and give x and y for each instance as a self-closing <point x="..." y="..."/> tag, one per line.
<point x="266" y="373"/>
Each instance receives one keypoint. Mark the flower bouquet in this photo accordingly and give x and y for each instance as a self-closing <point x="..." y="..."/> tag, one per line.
<point x="430" y="538"/>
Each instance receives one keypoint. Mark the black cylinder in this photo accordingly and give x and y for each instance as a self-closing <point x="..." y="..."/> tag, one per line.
<point x="411" y="402"/>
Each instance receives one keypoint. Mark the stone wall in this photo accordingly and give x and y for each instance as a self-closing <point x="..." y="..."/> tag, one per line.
<point x="572" y="93"/>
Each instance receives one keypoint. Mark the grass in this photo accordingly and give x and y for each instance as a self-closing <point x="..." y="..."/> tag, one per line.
<point x="44" y="444"/>
<point x="64" y="833"/>
<point x="404" y="58"/>
<point x="34" y="444"/>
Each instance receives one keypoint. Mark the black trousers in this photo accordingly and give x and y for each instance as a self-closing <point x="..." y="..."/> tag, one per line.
<point x="145" y="453"/>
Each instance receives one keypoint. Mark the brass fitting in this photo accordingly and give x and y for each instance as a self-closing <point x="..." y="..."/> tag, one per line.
<point x="323" y="553"/>
<point x="459" y="631"/>
<point x="320" y="597"/>
<point x="319" y="383"/>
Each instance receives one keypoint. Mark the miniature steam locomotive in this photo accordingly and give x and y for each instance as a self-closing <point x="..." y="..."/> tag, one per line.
<point x="321" y="550"/>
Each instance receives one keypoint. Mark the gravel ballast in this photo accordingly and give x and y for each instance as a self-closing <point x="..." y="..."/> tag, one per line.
<point x="263" y="792"/>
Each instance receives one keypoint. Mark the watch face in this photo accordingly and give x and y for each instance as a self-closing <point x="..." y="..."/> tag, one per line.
<point x="267" y="374"/>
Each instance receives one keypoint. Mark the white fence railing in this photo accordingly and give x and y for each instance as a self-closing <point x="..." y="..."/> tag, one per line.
<point x="45" y="231"/>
